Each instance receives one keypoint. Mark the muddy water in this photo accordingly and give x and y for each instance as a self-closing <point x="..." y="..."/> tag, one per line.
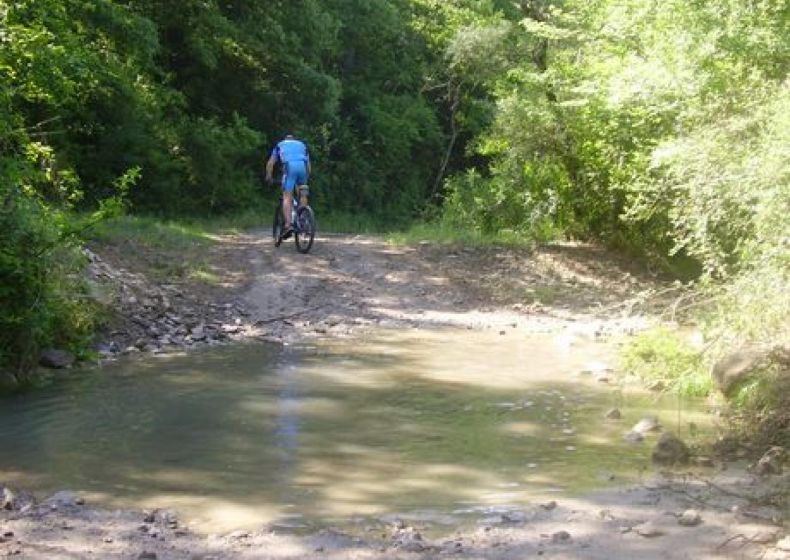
<point x="438" y="425"/>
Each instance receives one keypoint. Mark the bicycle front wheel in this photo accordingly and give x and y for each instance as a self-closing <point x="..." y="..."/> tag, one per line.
<point x="305" y="229"/>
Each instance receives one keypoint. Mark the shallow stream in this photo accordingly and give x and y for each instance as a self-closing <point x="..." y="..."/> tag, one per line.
<point x="435" y="425"/>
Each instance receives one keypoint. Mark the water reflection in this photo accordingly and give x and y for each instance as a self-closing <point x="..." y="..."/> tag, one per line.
<point x="287" y="422"/>
<point x="407" y="421"/>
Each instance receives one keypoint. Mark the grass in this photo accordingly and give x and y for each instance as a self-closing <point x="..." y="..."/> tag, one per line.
<point x="150" y="232"/>
<point x="168" y="250"/>
<point x="662" y="355"/>
<point x="347" y="222"/>
<point x="443" y="233"/>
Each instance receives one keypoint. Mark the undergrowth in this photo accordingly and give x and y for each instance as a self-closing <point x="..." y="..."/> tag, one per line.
<point x="664" y="356"/>
<point x="443" y="232"/>
<point x="747" y="312"/>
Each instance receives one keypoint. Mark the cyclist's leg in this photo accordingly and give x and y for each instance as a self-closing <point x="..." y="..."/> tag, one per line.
<point x="305" y="190"/>
<point x="289" y="182"/>
<point x="287" y="208"/>
<point x="296" y="175"/>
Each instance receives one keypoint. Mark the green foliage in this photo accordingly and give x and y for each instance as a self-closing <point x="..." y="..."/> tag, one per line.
<point x="194" y="93"/>
<point x="169" y="236"/>
<point x="661" y="355"/>
<point x="725" y="188"/>
<point x="761" y="412"/>
<point x="660" y="126"/>
<point x="444" y="233"/>
<point x="221" y="165"/>
<point x="168" y="250"/>
<point x="44" y="301"/>
<point x="642" y="122"/>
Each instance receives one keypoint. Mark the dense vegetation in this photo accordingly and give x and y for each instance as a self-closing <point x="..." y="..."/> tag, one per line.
<point x="657" y="126"/>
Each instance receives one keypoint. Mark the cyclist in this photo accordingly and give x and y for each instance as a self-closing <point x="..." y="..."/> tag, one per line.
<point x="295" y="159"/>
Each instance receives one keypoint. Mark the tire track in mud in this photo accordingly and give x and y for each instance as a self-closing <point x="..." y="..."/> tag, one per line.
<point x="352" y="282"/>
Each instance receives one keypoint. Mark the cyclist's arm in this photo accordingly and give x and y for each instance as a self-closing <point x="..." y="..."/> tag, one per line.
<point x="270" y="166"/>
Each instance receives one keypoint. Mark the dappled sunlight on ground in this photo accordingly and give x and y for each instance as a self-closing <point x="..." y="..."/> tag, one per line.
<point x="395" y="421"/>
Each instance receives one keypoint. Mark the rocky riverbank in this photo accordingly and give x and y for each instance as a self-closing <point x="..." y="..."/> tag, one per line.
<point x="164" y="317"/>
<point x="724" y="514"/>
<point x="348" y="284"/>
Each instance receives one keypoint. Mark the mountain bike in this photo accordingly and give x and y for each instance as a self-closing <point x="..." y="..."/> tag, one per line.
<point x="302" y="221"/>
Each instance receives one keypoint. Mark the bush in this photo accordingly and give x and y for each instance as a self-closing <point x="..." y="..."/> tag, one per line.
<point x="42" y="296"/>
<point x="223" y="161"/>
<point x="663" y="356"/>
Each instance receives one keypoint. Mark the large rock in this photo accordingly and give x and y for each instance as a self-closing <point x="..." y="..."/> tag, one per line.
<point x="650" y="529"/>
<point x="738" y="366"/>
<point x="689" y="518"/>
<point x="771" y="462"/>
<point x="63" y="499"/>
<point x="56" y="359"/>
<point x="8" y="381"/>
<point x="670" y="450"/>
<point x="10" y="500"/>
<point x="7" y="498"/>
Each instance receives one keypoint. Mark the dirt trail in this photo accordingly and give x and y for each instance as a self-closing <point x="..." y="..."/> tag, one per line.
<point x="348" y="284"/>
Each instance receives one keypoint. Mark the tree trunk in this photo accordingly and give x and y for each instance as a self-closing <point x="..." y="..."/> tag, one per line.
<point x="454" y="95"/>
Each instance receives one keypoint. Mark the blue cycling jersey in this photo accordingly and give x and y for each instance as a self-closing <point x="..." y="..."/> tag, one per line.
<point x="291" y="150"/>
<point x="295" y="158"/>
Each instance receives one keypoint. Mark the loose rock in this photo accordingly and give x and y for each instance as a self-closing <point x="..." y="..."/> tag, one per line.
<point x="733" y="368"/>
<point x="601" y="377"/>
<point x="7" y="499"/>
<point x="646" y="425"/>
<point x="670" y="450"/>
<point x="689" y="518"/>
<point x="633" y="437"/>
<point x="561" y="537"/>
<point x="613" y="414"/>
<point x="771" y="462"/>
<point x="56" y="359"/>
<point x="648" y="530"/>
<point x="63" y="498"/>
<point x="8" y="380"/>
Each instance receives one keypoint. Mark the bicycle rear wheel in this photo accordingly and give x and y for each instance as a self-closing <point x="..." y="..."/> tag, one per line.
<point x="277" y="225"/>
<point x="305" y="229"/>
